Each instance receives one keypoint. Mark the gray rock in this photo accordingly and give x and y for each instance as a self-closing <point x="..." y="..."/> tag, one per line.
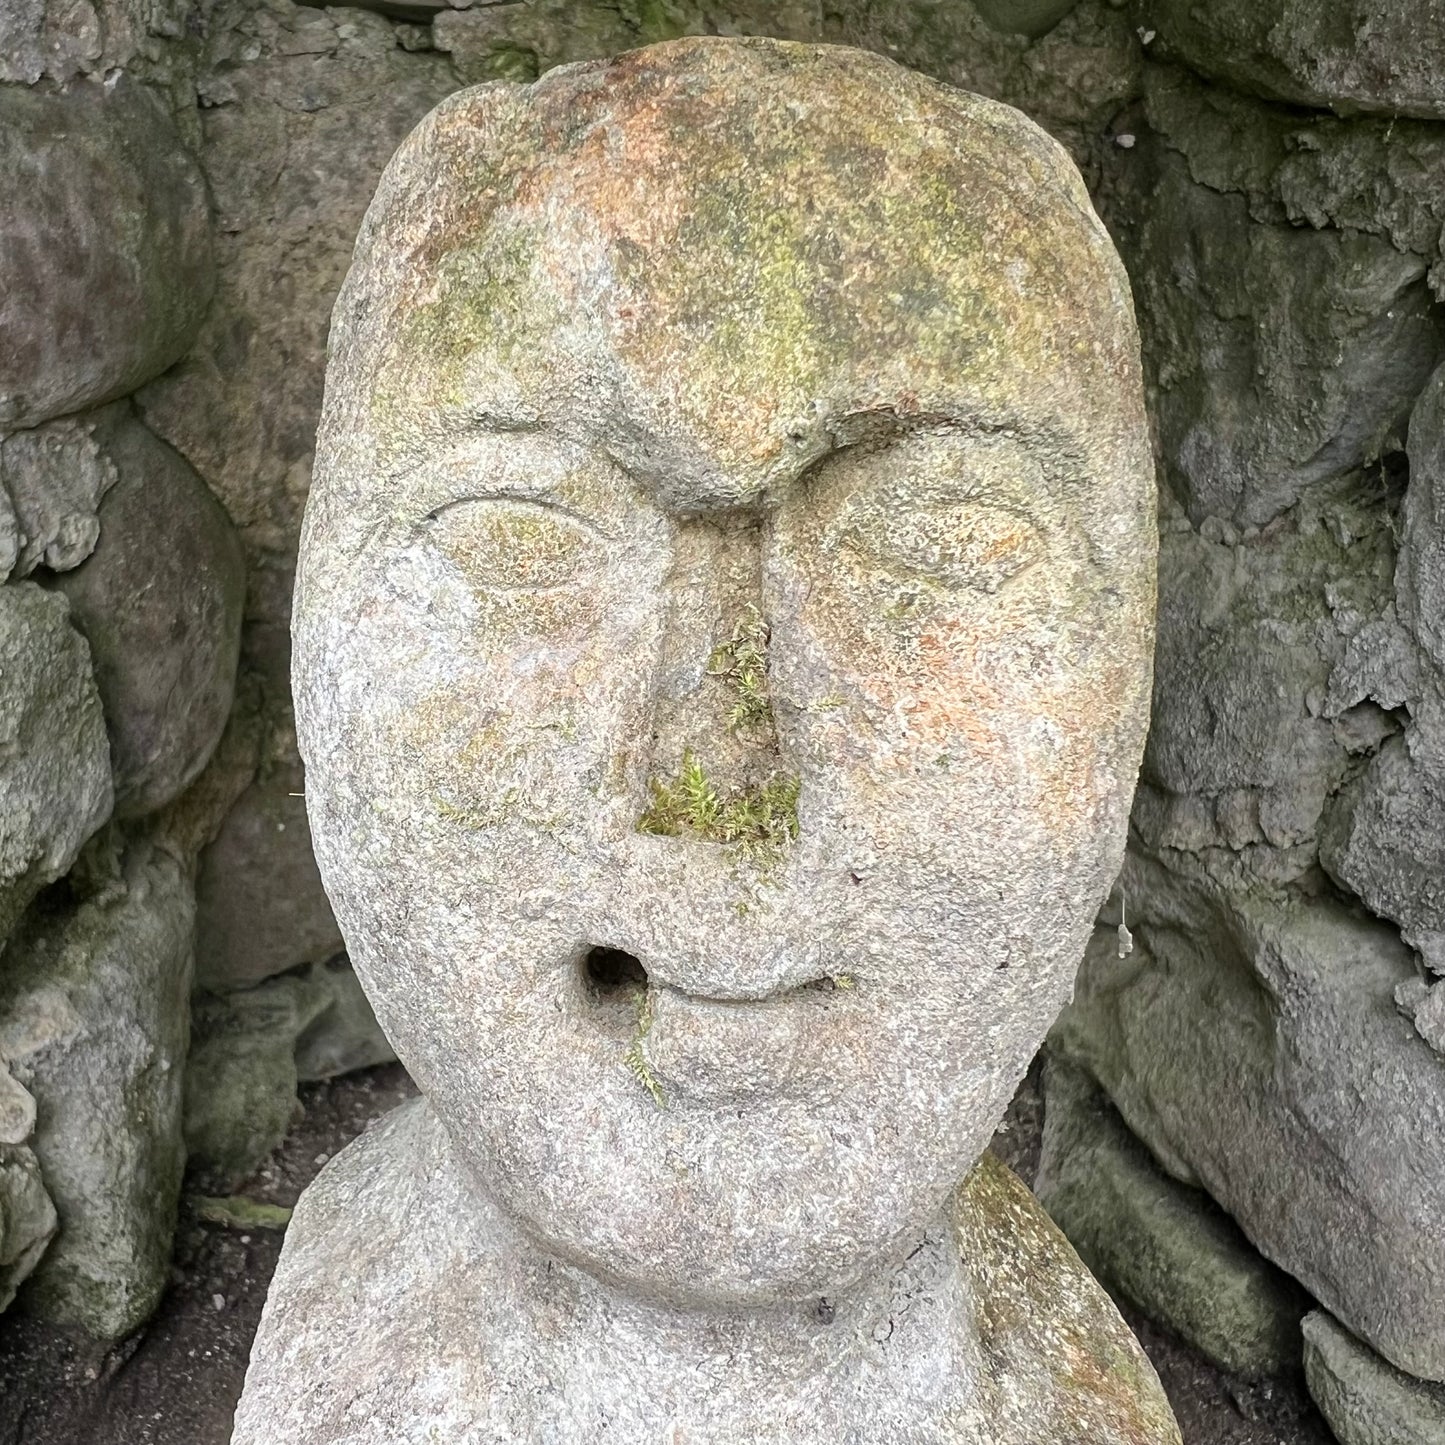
<point x="717" y="881"/>
<point x="17" y="1110"/>
<point x="1365" y="1400"/>
<point x="1385" y="838"/>
<point x="1167" y="1249"/>
<point x="241" y="1076"/>
<point x="94" y="1023"/>
<point x="260" y="906"/>
<point x="345" y="1036"/>
<point x="1425" y="1005"/>
<point x="52" y="479"/>
<point x="159" y="601"/>
<point x="1024" y="17"/>
<point x="1254" y="1044"/>
<point x="1281" y="356"/>
<point x="54" y="760"/>
<point x="1385" y="176"/>
<point x="249" y="1051"/>
<point x="61" y="38"/>
<point x="293" y="144"/>
<point x="1364" y="55"/>
<point x="105" y="245"/>
<point x="27" y="1219"/>
<point x="1242" y="755"/>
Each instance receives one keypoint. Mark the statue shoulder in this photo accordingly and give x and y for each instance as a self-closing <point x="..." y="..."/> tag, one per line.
<point x="385" y="1260"/>
<point x="1038" y="1305"/>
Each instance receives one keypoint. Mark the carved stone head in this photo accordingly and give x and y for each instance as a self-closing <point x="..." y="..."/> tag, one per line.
<point x="722" y="642"/>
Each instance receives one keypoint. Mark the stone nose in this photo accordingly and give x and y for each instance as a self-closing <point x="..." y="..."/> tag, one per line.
<point x="714" y="751"/>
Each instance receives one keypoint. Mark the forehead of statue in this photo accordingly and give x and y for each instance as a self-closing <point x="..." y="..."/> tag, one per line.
<point x="713" y="258"/>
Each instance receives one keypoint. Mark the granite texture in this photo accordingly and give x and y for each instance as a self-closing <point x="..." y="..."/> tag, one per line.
<point x="721" y="656"/>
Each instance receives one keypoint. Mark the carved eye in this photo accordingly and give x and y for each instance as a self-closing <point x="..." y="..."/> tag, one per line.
<point x="511" y="544"/>
<point x="958" y="544"/>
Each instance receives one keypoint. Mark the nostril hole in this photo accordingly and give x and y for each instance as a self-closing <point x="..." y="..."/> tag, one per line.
<point x="610" y="970"/>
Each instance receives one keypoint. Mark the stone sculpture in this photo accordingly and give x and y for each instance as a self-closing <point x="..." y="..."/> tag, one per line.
<point x="721" y="657"/>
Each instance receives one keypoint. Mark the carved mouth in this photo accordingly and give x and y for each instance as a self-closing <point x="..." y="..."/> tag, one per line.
<point x="716" y="1050"/>
<point x="611" y="975"/>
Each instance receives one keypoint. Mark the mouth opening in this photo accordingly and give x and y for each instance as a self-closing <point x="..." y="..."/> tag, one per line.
<point x="611" y="973"/>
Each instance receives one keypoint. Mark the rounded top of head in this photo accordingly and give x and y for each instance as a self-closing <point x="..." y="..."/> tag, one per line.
<point x="714" y="257"/>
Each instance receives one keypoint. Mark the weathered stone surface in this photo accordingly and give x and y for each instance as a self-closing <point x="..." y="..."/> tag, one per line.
<point x="1385" y="840"/>
<point x="260" y="906"/>
<point x="1247" y="743"/>
<point x="54" y="760"/>
<point x="303" y="109"/>
<point x="1425" y="1004"/>
<point x="1253" y="1042"/>
<point x="17" y="1110"/>
<point x="1073" y="81"/>
<point x="64" y="38"/>
<point x="345" y="1036"/>
<point x="1280" y="357"/>
<point x="391" y="1229"/>
<point x="1360" y="55"/>
<point x="27" y="1219"/>
<point x="522" y="42"/>
<point x="250" y="1050"/>
<point x="1384" y="177"/>
<point x="1025" y="17"/>
<point x="159" y="601"/>
<point x="1036" y="1303"/>
<point x="626" y="800"/>
<point x="94" y="1023"/>
<point x="1167" y="1249"/>
<point x="105" y="245"/>
<point x="1365" y="1400"/>
<point x="52" y="479"/>
<point x="241" y="1075"/>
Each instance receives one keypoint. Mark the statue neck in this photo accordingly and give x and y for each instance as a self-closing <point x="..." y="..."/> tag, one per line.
<point x="899" y="1344"/>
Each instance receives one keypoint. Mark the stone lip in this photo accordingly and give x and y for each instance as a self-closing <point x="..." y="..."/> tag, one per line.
<point x="725" y="1050"/>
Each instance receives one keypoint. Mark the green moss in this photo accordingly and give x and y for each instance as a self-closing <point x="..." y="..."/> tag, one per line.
<point x="487" y="305"/>
<point x="512" y="806"/>
<point x="237" y="1211"/>
<point x="743" y="661"/>
<point x="517" y="63"/>
<point x="755" y="824"/>
<point x="636" y="1059"/>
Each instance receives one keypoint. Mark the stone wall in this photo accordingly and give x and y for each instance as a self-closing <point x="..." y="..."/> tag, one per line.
<point x="179" y="202"/>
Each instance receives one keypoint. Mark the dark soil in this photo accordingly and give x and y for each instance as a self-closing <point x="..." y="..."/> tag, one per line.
<point x="177" y="1381"/>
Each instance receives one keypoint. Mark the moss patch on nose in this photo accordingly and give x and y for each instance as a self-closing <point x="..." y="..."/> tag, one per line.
<point x="743" y="661"/>
<point x="756" y="824"/>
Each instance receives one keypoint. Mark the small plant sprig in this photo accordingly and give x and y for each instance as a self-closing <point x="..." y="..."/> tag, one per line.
<point x="755" y="824"/>
<point x="636" y="1059"/>
<point x="743" y="661"/>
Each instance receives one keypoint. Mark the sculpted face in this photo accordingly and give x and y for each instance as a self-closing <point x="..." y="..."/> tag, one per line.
<point x="722" y="643"/>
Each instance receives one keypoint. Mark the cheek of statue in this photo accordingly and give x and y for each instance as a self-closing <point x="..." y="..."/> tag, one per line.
<point x="941" y="599"/>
